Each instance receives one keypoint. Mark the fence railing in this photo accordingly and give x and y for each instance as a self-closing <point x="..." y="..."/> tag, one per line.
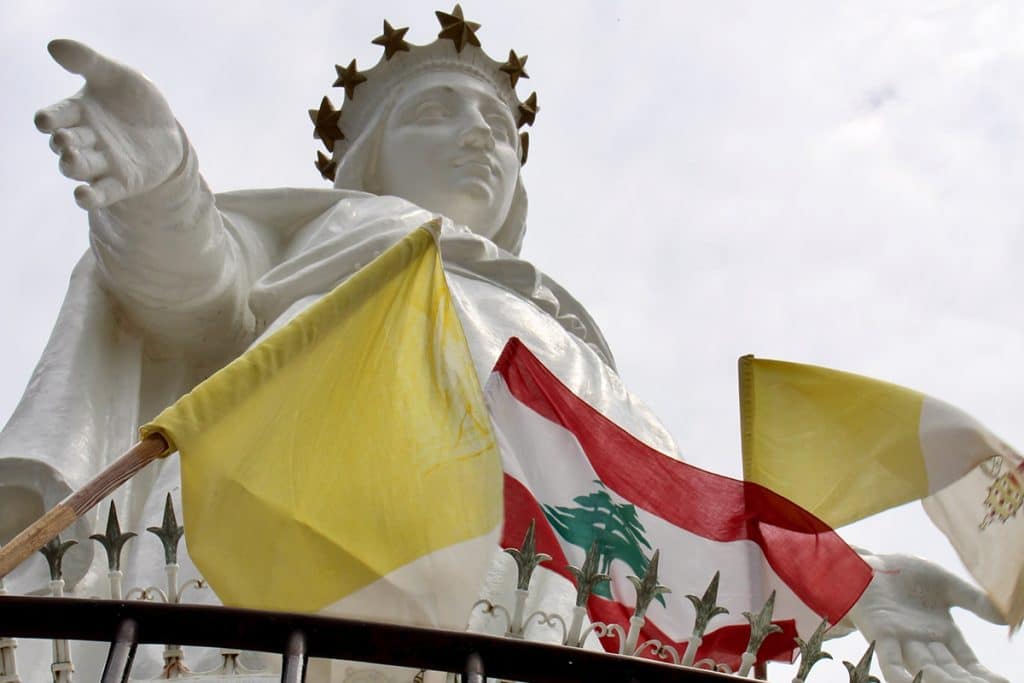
<point x="127" y="624"/>
<point x="156" y="615"/>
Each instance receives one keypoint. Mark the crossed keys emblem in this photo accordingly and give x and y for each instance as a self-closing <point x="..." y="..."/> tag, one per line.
<point x="1006" y="492"/>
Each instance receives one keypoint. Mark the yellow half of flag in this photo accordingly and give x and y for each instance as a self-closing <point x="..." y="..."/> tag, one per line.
<point x="845" y="446"/>
<point x="345" y="448"/>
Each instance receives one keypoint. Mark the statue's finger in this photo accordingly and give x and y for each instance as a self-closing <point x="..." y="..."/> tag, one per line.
<point x="963" y="653"/>
<point x="79" y="58"/>
<point x="64" y="114"/>
<point x="982" y="672"/>
<point x="916" y="655"/>
<point x="936" y="674"/>
<point x="75" y="137"/>
<point x="890" y="661"/>
<point x="83" y="164"/>
<point x="944" y="659"/>
<point x="99" y="194"/>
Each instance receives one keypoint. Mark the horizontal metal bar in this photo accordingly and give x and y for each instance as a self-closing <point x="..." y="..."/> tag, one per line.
<point x="328" y="637"/>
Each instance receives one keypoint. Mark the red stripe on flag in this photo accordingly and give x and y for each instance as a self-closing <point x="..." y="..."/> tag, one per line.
<point x="827" y="575"/>
<point x="723" y="645"/>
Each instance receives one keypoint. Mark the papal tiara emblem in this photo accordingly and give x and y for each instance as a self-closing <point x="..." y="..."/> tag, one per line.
<point x="457" y="48"/>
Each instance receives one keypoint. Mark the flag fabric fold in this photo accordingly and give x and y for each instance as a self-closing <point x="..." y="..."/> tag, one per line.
<point x="845" y="447"/>
<point x="586" y="480"/>
<point x="346" y="462"/>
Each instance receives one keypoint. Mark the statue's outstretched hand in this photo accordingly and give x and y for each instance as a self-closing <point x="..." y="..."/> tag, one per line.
<point x="117" y="134"/>
<point x="905" y="610"/>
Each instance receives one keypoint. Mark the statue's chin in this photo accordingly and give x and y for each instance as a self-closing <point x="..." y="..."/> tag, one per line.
<point x="19" y="507"/>
<point x="472" y="207"/>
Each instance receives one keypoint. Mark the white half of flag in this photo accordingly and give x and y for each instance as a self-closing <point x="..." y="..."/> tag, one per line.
<point x="981" y="516"/>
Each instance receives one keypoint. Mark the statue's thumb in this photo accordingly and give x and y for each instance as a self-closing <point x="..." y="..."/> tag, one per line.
<point x="963" y="594"/>
<point x="79" y="58"/>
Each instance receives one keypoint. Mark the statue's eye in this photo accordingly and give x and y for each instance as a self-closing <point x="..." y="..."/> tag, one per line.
<point x="431" y="110"/>
<point x="501" y="127"/>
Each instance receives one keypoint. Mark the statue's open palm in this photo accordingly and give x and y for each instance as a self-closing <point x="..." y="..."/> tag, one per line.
<point x="117" y="134"/>
<point x="905" y="611"/>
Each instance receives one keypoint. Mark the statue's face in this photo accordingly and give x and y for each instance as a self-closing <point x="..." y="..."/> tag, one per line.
<point x="450" y="146"/>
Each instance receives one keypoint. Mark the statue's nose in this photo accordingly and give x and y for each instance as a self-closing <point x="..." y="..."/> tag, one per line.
<point x="476" y="132"/>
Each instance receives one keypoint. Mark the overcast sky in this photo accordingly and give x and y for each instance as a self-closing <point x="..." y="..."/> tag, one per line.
<point x="832" y="186"/>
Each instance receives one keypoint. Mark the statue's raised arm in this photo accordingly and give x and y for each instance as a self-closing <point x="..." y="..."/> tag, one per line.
<point x="160" y="244"/>
<point x="163" y="285"/>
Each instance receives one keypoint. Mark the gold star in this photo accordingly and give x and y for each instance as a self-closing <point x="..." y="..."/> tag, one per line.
<point x="325" y="123"/>
<point x="348" y="78"/>
<point x="528" y="111"/>
<point x="325" y="165"/>
<point x="515" y="67"/>
<point x="524" y="147"/>
<point x="392" y="39"/>
<point x="455" y="28"/>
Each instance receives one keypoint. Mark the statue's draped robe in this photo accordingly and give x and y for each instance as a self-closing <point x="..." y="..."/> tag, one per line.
<point x="179" y="282"/>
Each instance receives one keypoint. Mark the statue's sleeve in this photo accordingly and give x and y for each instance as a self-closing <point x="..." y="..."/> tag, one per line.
<point x="176" y="270"/>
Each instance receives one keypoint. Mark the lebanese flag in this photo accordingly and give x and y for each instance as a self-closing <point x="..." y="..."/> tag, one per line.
<point x="583" y="478"/>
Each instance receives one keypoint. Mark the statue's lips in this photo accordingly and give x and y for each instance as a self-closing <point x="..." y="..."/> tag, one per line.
<point x="480" y="164"/>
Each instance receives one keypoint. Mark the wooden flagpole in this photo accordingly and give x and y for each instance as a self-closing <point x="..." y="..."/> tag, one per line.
<point x="64" y="513"/>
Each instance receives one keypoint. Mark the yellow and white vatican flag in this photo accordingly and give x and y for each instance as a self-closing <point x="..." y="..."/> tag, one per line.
<point x="845" y="446"/>
<point x="347" y="463"/>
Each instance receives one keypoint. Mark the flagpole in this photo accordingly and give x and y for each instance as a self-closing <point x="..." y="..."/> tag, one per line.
<point x="64" y="513"/>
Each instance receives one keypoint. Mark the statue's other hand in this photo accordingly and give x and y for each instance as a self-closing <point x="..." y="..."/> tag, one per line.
<point x="906" y="611"/>
<point x="117" y="134"/>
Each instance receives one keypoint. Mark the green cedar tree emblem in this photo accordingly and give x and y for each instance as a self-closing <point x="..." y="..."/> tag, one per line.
<point x="613" y="527"/>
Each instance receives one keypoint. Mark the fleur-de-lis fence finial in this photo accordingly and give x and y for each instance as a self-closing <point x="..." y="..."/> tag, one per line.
<point x="861" y="673"/>
<point x="647" y="588"/>
<point x="587" y="577"/>
<point x="707" y="608"/>
<point x="169" y="532"/>
<point x="761" y="627"/>
<point x="811" y="652"/>
<point x="113" y="540"/>
<point x="54" y="554"/>
<point x="527" y="558"/>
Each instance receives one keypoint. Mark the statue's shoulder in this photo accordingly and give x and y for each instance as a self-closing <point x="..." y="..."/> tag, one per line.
<point x="281" y="207"/>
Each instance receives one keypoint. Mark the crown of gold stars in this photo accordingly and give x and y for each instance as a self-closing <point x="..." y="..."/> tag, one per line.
<point x="457" y="48"/>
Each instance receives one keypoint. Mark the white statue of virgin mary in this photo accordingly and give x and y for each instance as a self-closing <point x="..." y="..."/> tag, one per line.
<point x="179" y="281"/>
